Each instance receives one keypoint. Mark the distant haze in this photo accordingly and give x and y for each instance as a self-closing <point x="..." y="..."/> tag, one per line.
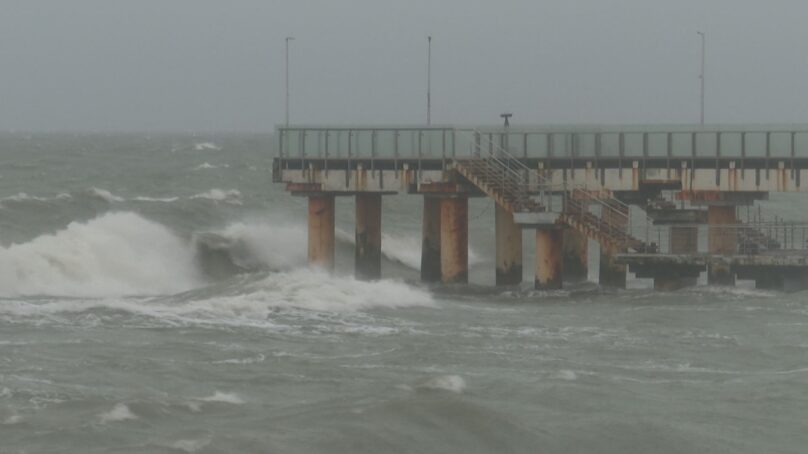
<point x="214" y="65"/>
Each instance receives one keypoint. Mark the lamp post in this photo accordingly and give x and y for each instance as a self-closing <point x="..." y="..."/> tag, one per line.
<point x="288" y="38"/>
<point x="701" y="76"/>
<point x="429" y="81"/>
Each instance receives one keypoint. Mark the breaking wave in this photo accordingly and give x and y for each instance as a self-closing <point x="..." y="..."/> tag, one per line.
<point x="114" y="254"/>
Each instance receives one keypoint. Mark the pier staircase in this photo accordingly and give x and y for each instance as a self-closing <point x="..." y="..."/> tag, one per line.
<point x="520" y="189"/>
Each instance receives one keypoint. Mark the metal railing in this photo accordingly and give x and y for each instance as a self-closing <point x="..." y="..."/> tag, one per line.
<point x="765" y="238"/>
<point x="634" y="142"/>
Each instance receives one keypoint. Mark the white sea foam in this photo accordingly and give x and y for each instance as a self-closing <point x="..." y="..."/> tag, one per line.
<point x="11" y="420"/>
<point x="452" y="383"/>
<point x="226" y="398"/>
<point x="190" y="446"/>
<point x="232" y="196"/>
<point x="23" y="197"/>
<point x="566" y="375"/>
<point x="206" y="146"/>
<point x="208" y="166"/>
<point x="120" y="412"/>
<point x="156" y="199"/>
<point x="112" y="255"/>
<point x="319" y="291"/>
<point x="105" y="195"/>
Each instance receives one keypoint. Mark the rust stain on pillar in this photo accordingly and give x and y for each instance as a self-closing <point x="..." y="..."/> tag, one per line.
<point x="575" y="252"/>
<point x="683" y="240"/>
<point x="430" y="240"/>
<point x="368" y="255"/>
<point x="321" y="231"/>
<point x="509" y="248"/>
<point x="721" y="241"/>
<point x="549" y="264"/>
<point x="454" y="240"/>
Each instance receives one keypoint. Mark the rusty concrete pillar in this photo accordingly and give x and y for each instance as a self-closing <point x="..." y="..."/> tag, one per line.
<point x="430" y="240"/>
<point x="509" y="248"/>
<point x="683" y="240"/>
<point x="454" y="239"/>
<point x="368" y="263"/>
<point x="549" y="263"/>
<point x="321" y="231"/>
<point x="576" y="260"/>
<point x="721" y="241"/>
<point x="611" y="274"/>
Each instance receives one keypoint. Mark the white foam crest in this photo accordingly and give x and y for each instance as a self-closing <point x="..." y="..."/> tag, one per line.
<point x="105" y="195"/>
<point x="156" y="199"/>
<point x="319" y="291"/>
<point x="11" y="420"/>
<point x="120" y="412"/>
<point x="190" y="446"/>
<point x="208" y="166"/>
<point x="206" y="146"/>
<point x="22" y="197"/>
<point x="226" y="398"/>
<point x="452" y="383"/>
<point x="232" y="196"/>
<point x="115" y="254"/>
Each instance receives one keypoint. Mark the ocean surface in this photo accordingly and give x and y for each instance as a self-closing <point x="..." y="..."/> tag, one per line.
<point x="154" y="298"/>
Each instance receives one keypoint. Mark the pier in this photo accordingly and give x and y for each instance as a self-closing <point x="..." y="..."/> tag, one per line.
<point x="663" y="202"/>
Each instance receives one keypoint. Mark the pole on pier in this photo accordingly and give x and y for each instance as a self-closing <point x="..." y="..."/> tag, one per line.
<point x="321" y="231"/>
<point x="509" y="248"/>
<point x="549" y="264"/>
<point x="454" y="239"/>
<point x="368" y="261"/>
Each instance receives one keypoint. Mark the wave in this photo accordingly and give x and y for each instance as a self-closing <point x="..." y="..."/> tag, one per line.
<point x="23" y="197"/>
<point x="105" y="195"/>
<point x="243" y="247"/>
<point x="206" y="146"/>
<point x="120" y="412"/>
<point x="232" y="196"/>
<point x="208" y="166"/>
<point x="113" y="255"/>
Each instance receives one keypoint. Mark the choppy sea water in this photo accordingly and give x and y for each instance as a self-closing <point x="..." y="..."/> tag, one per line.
<point x="154" y="298"/>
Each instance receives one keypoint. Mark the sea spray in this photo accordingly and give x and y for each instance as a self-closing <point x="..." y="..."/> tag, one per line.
<point x="115" y="254"/>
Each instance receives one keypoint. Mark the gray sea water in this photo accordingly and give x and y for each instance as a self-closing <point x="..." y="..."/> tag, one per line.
<point x="154" y="298"/>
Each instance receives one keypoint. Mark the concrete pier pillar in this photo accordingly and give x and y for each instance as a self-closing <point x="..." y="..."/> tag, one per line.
<point x="721" y="241"/>
<point x="575" y="253"/>
<point x="321" y="231"/>
<point x="683" y="240"/>
<point x="430" y="240"/>
<point x="549" y="263"/>
<point x="368" y="261"/>
<point x="611" y="274"/>
<point x="509" y="248"/>
<point x="454" y="240"/>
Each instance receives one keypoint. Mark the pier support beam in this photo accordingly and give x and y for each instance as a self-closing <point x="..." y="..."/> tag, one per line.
<point x="683" y="240"/>
<point x="611" y="273"/>
<point x="454" y="239"/>
<point x="576" y="260"/>
<point x="368" y="263"/>
<point x="509" y="248"/>
<point x="430" y="240"/>
<point x="549" y="263"/>
<point x="721" y="241"/>
<point x="321" y="231"/>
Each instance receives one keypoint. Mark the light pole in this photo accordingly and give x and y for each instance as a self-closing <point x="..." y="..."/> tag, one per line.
<point x="429" y="81"/>
<point x="701" y="77"/>
<point x="288" y="38"/>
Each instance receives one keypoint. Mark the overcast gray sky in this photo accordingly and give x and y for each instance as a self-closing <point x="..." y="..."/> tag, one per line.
<point x="201" y="65"/>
